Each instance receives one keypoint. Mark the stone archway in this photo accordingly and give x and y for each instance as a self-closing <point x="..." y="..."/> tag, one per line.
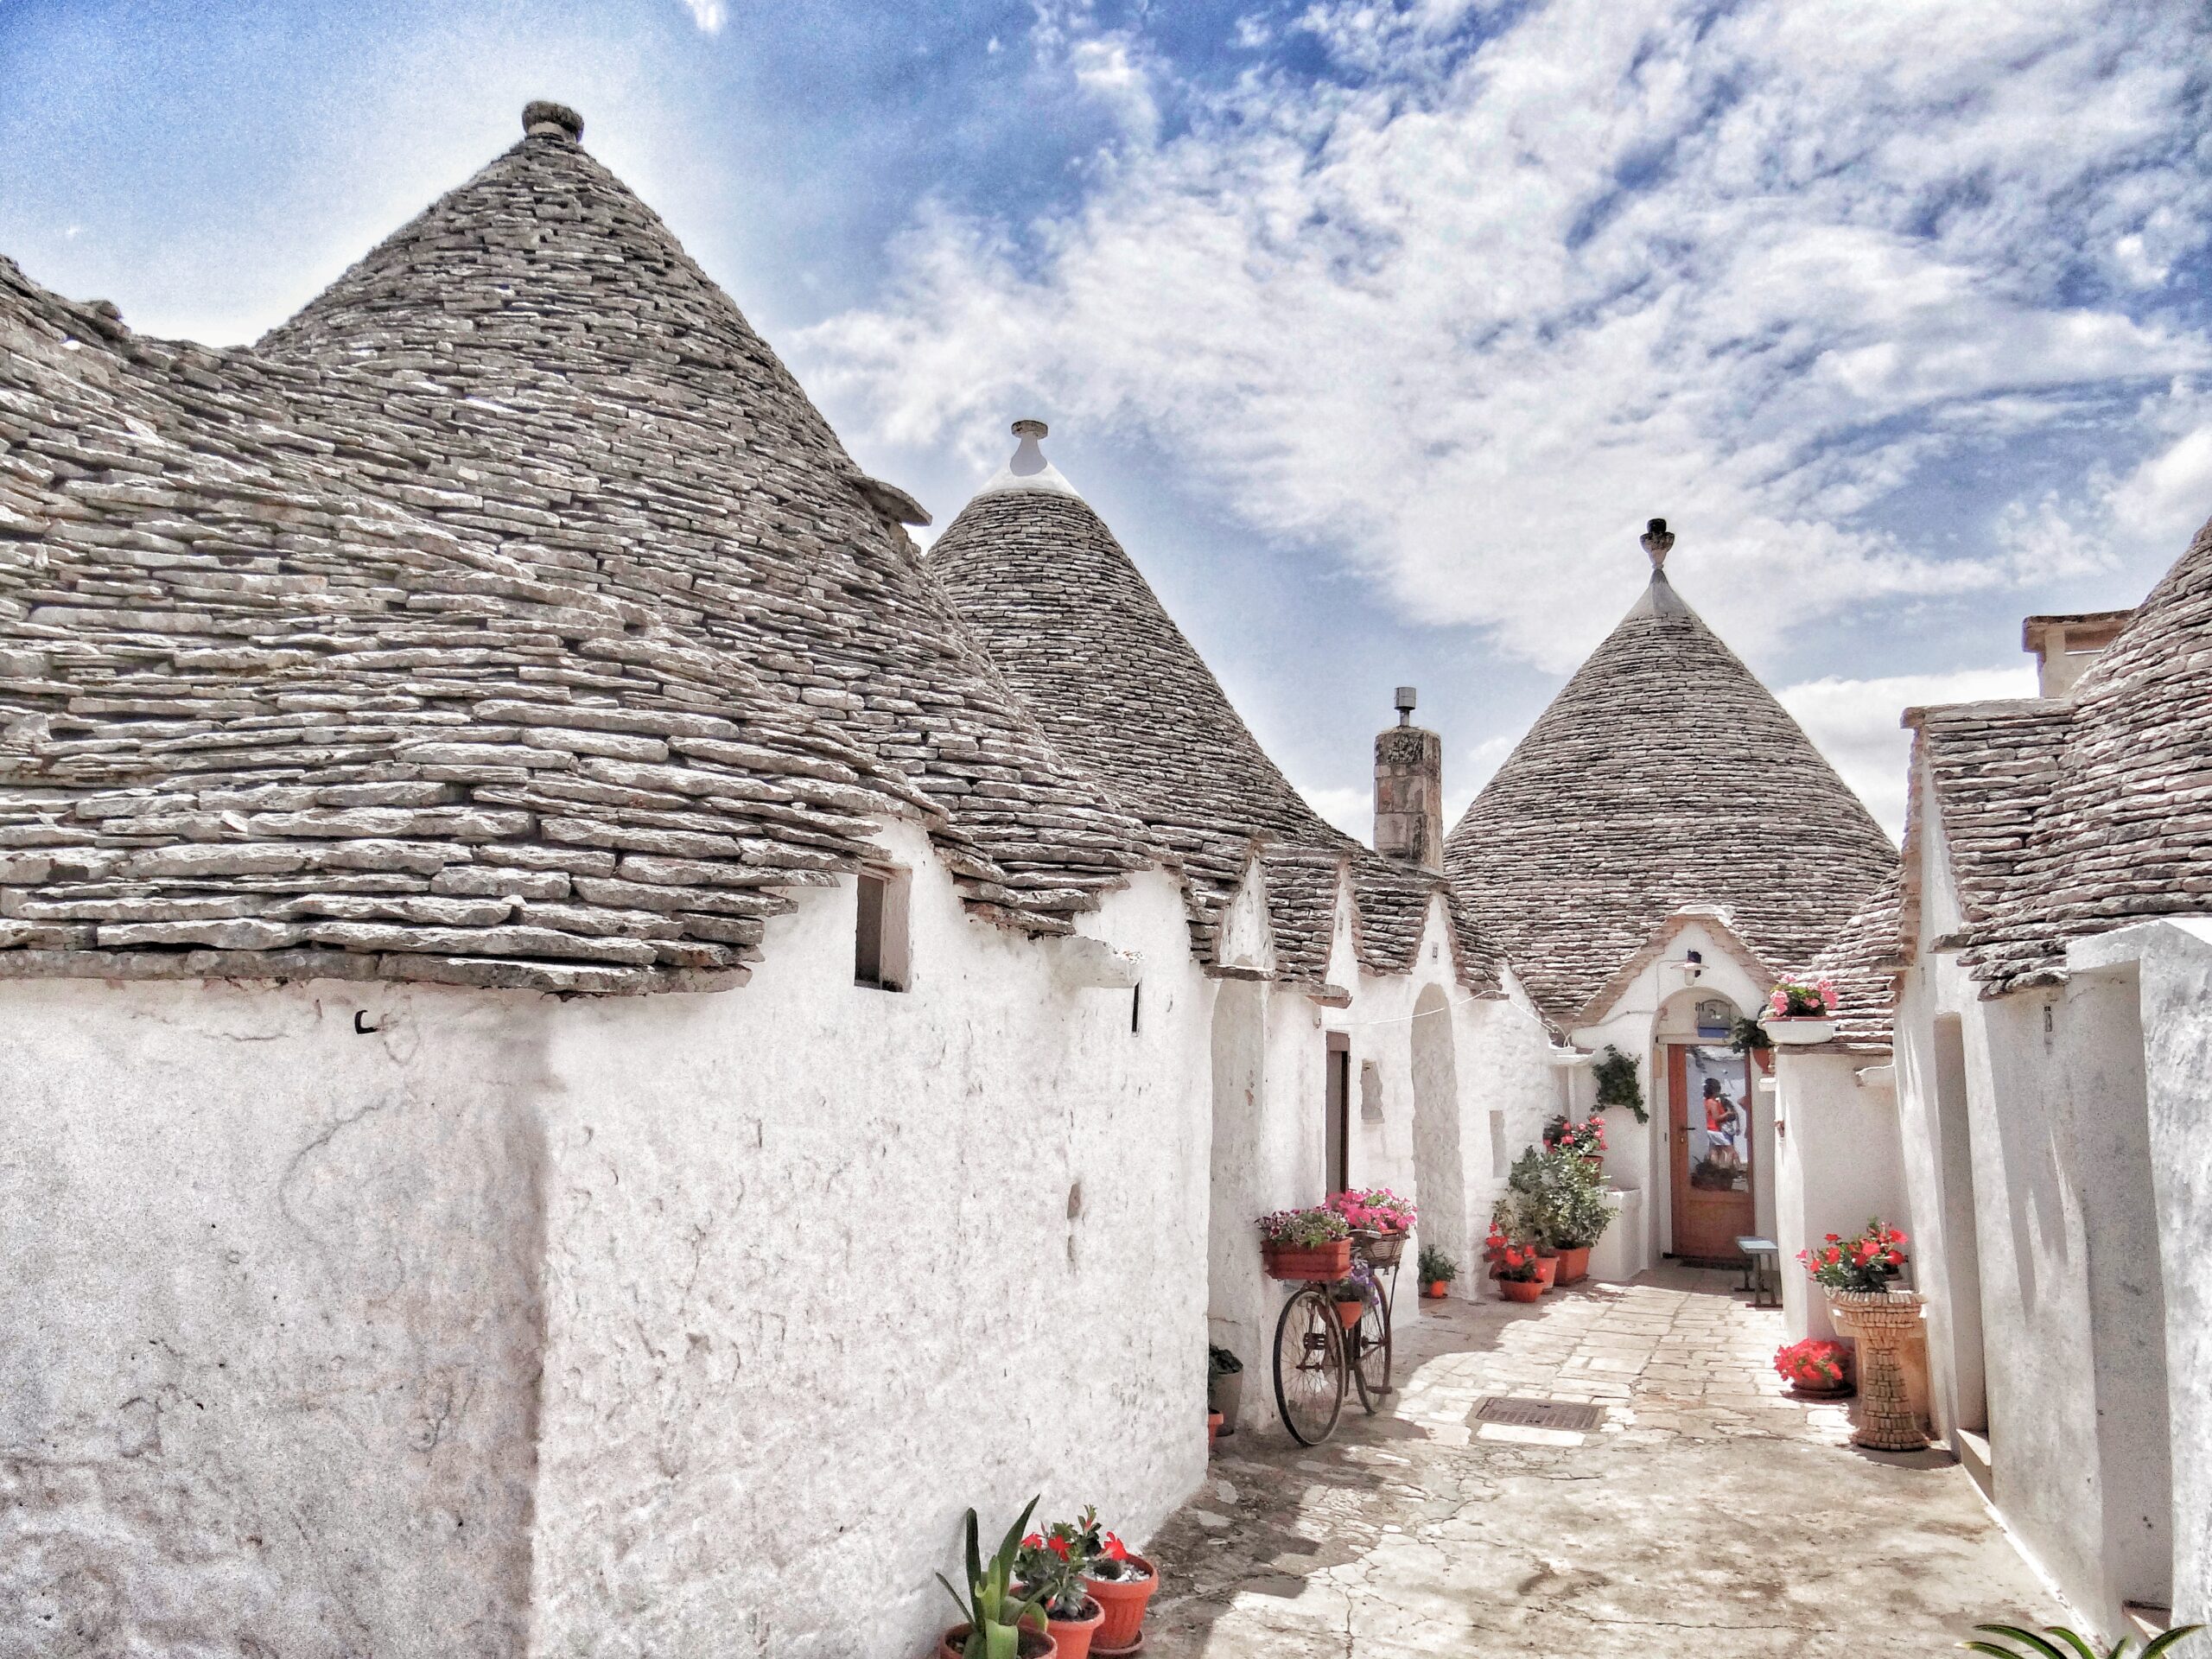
<point x="1439" y="1168"/>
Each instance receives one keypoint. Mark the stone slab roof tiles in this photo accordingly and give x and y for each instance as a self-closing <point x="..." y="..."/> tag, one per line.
<point x="2101" y="813"/>
<point x="1863" y="961"/>
<point x="1079" y="632"/>
<point x="1664" y="776"/>
<point x="508" y="617"/>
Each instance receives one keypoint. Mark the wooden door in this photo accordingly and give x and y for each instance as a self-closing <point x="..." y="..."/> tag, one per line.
<point x="1710" y="1149"/>
<point x="1336" y="1116"/>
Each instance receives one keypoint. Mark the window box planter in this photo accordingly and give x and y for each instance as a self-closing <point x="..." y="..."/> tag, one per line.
<point x="1799" y="1030"/>
<point x="1325" y="1262"/>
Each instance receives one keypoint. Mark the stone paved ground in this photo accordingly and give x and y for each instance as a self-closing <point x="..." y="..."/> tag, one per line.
<point x="1710" y="1516"/>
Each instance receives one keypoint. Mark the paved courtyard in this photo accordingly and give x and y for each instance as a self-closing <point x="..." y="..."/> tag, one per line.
<point x="1709" y="1515"/>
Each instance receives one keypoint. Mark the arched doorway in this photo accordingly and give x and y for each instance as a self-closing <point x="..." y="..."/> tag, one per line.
<point x="1439" y="1171"/>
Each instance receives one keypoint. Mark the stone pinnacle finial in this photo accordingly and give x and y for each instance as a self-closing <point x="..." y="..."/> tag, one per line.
<point x="543" y="120"/>
<point x="1658" y="540"/>
<point x="1028" y="458"/>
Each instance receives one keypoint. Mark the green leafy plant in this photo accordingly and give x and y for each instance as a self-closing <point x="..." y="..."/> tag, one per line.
<point x="1749" y="1035"/>
<point x="1435" y="1265"/>
<point x="1052" y="1562"/>
<point x="2045" y="1646"/>
<point x="1220" y="1361"/>
<point x="992" y="1610"/>
<point x="1615" y="1075"/>
<point x="1556" y="1200"/>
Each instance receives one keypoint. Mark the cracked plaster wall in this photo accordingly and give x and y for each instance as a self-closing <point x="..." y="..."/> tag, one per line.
<point x="272" y="1319"/>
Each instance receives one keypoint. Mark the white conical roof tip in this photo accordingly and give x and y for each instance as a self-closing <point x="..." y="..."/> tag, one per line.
<point x="1029" y="470"/>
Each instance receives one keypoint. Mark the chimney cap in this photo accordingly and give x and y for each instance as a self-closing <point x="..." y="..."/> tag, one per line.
<point x="542" y="118"/>
<point x="1029" y="428"/>
<point x="1405" y="700"/>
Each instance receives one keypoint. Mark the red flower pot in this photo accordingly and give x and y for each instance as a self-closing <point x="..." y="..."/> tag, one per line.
<point x="1438" y="1289"/>
<point x="1213" y="1433"/>
<point x="1330" y="1262"/>
<point x="1546" y="1272"/>
<point x="1520" y="1290"/>
<point x="1124" y="1601"/>
<point x="1348" y="1313"/>
<point x="1072" y="1635"/>
<point x="1035" y="1644"/>
<point x="1574" y="1265"/>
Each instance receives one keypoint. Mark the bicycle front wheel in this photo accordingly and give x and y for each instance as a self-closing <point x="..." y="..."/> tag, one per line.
<point x="1309" y="1366"/>
<point x="1370" y="1348"/>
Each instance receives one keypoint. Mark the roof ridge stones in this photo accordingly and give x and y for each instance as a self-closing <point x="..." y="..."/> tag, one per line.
<point x="1083" y="640"/>
<point x="515" y="564"/>
<point x="1663" y="775"/>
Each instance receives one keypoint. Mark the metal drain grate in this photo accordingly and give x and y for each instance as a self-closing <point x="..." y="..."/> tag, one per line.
<point x="1570" y="1415"/>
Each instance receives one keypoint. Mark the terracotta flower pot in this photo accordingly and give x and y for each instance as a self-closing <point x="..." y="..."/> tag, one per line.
<point x="1124" y="1601"/>
<point x="1213" y="1428"/>
<point x="1072" y="1635"/>
<point x="1438" y="1289"/>
<point x="1520" y="1290"/>
<point x="1546" y="1272"/>
<point x="1329" y="1262"/>
<point x="1349" y="1312"/>
<point x="1035" y="1644"/>
<point x="1574" y="1265"/>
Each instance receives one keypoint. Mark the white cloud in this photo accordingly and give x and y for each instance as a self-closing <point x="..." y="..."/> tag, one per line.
<point x="1468" y="317"/>
<point x="1351" y="810"/>
<point x="1856" y="723"/>
<point x="710" y="14"/>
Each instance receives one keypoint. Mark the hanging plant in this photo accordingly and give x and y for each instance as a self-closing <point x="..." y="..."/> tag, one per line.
<point x="1750" y="1035"/>
<point x="1616" y="1085"/>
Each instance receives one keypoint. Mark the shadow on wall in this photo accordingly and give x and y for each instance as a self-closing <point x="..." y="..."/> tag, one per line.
<point x="1439" y="1166"/>
<point x="1236" y="1288"/>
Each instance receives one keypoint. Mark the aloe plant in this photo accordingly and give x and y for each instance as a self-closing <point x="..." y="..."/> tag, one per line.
<point x="991" y="1609"/>
<point x="2045" y="1646"/>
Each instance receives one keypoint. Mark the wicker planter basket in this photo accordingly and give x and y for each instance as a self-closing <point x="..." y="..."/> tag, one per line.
<point x="1380" y="1250"/>
<point x="1881" y="1322"/>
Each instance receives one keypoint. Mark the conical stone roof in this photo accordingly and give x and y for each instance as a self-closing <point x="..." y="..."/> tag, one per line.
<point x="1081" y="637"/>
<point x="1663" y="775"/>
<point x="2113" y="818"/>
<point x="509" y="618"/>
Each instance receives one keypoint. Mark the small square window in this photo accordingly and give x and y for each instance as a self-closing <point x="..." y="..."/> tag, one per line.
<point x="879" y="958"/>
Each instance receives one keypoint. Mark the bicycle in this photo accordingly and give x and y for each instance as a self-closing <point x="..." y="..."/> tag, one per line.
<point x="1318" y="1359"/>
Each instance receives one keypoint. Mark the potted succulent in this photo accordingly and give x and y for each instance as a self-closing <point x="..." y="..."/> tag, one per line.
<point x="1379" y="1220"/>
<point x="1051" y="1566"/>
<point x="1857" y="1275"/>
<point x="1513" y="1264"/>
<point x="1224" y="1386"/>
<point x="1438" y="1271"/>
<point x="1352" y="1292"/>
<point x="1798" y="1012"/>
<point x="1815" y="1368"/>
<point x="993" y="1610"/>
<point x="1304" y="1244"/>
<point x="1120" y="1581"/>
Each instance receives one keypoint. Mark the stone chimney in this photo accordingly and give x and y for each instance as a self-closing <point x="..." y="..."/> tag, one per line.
<point x="2064" y="646"/>
<point x="1409" y="790"/>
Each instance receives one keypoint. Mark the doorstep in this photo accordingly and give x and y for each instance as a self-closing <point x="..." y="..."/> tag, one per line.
<point x="1972" y="1450"/>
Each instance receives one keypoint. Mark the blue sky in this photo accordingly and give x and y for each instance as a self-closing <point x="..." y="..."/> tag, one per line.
<point x="1375" y="330"/>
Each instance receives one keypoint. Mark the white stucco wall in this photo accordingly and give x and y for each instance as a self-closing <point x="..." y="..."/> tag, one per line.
<point x="1837" y="1160"/>
<point x="677" y="1326"/>
<point x="2085" y="1178"/>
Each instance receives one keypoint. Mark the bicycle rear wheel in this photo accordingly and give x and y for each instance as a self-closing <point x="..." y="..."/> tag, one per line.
<point x="1370" y="1350"/>
<point x="1309" y="1366"/>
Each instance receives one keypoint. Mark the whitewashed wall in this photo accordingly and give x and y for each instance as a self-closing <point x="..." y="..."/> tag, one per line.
<point x="1837" y="1160"/>
<point x="2083" y="1184"/>
<point x="803" y="1266"/>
